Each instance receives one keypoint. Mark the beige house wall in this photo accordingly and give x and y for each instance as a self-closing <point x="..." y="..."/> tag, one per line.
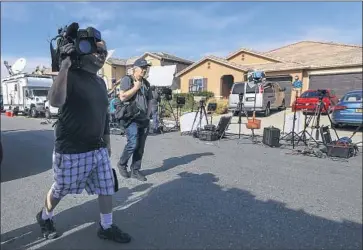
<point x="213" y="71"/>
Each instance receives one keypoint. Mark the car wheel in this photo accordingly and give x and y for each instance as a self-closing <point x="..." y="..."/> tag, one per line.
<point x="47" y="114"/>
<point x="33" y="112"/>
<point x="267" y="110"/>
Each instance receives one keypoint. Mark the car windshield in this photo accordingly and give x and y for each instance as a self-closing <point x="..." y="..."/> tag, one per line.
<point x="40" y="92"/>
<point x="353" y="97"/>
<point x="238" y="88"/>
<point x="310" y="94"/>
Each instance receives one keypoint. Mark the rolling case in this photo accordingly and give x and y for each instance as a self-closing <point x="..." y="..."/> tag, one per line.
<point x="210" y="127"/>
<point x="206" y="135"/>
<point x="271" y="137"/>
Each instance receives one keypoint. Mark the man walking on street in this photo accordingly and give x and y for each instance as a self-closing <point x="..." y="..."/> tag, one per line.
<point x="136" y="89"/>
<point x="82" y="145"/>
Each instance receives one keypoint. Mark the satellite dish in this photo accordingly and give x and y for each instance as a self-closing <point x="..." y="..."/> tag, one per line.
<point x="109" y="53"/>
<point x="18" y="66"/>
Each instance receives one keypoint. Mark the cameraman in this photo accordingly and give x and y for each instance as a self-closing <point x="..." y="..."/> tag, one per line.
<point x="154" y="109"/>
<point x="136" y="89"/>
<point x="82" y="144"/>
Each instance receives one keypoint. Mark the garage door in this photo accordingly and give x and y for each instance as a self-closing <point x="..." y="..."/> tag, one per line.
<point x="284" y="82"/>
<point x="341" y="83"/>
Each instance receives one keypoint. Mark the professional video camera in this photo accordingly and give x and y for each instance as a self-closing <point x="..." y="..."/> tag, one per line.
<point x="322" y="93"/>
<point x="165" y="93"/>
<point x="84" y="40"/>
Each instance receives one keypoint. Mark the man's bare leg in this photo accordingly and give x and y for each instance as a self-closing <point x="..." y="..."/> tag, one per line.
<point x="108" y="230"/>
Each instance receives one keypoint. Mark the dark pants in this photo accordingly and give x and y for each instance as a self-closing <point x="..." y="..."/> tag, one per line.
<point x="136" y="138"/>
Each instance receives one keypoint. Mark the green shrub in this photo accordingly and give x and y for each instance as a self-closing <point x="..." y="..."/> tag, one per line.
<point x="222" y="105"/>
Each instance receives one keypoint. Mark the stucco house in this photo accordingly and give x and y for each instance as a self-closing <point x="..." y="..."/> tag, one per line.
<point x="318" y="64"/>
<point x="116" y="68"/>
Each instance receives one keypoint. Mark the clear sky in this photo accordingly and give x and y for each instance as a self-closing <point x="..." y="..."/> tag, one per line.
<point x="186" y="29"/>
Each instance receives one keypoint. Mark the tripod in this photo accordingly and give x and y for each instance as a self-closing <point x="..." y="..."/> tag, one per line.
<point x="241" y="109"/>
<point x="304" y="132"/>
<point x="293" y="134"/>
<point x="164" y="106"/>
<point x="201" y="111"/>
<point x="316" y="118"/>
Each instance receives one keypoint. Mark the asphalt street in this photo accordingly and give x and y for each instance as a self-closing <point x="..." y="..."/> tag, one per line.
<point x="198" y="196"/>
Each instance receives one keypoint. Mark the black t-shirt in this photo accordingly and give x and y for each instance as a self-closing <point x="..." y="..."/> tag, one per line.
<point x="84" y="116"/>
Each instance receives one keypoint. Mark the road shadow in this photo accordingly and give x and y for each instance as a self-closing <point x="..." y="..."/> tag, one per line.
<point x="173" y="162"/>
<point x="194" y="212"/>
<point x="26" y="153"/>
<point x="67" y="221"/>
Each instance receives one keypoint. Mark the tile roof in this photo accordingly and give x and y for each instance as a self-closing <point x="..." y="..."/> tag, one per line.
<point x="254" y="52"/>
<point x="117" y="61"/>
<point x="320" y="54"/>
<point x="215" y="59"/>
<point x="171" y="57"/>
<point x="270" y="67"/>
<point x="159" y="55"/>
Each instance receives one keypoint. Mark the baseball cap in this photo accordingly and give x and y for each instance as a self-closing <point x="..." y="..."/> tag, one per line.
<point x="141" y="63"/>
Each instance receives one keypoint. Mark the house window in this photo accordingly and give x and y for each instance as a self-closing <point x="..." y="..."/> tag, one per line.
<point x="197" y="85"/>
<point x="243" y="57"/>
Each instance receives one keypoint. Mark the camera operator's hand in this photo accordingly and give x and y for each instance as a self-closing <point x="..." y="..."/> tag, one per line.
<point x="65" y="52"/>
<point x="137" y="83"/>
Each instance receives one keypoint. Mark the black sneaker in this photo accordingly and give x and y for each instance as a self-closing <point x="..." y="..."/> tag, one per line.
<point x="113" y="233"/>
<point x="47" y="227"/>
<point x="138" y="175"/>
<point x="123" y="171"/>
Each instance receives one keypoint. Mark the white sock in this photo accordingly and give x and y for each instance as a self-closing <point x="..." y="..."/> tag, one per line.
<point x="46" y="215"/>
<point x="106" y="220"/>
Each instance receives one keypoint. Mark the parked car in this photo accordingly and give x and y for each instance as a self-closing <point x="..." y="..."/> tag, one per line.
<point x="237" y="88"/>
<point x="308" y="100"/>
<point x="269" y="95"/>
<point x="348" y="111"/>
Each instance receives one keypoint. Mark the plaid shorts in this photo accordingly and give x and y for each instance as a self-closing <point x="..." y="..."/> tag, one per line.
<point x="75" y="172"/>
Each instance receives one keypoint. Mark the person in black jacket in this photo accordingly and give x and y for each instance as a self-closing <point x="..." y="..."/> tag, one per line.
<point x="136" y="89"/>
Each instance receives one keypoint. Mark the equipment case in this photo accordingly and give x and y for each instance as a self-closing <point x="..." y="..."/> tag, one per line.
<point x="271" y="137"/>
<point x="206" y="135"/>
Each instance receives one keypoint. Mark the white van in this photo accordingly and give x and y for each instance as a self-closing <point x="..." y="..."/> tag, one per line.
<point x="269" y="95"/>
<point x="237" y="88"/>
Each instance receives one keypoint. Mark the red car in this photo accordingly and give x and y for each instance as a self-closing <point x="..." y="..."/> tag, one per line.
<point x="308" y="101"/>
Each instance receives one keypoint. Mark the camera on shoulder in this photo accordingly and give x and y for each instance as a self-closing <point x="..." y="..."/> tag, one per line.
<point x="84" y="40"/>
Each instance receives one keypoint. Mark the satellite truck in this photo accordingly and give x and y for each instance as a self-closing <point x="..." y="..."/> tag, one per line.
<point x="25" y="93"/>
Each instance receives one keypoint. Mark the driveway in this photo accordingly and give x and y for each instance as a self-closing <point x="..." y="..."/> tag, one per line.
<point x="198" y="196"/>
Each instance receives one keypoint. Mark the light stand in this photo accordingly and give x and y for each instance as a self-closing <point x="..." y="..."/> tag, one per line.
<point x="293" y="133"/>
<point x="180" y="102"/>
<point x="211" y="107"/>
<point x="201" y="110"/>
<point x="240" y="108"/>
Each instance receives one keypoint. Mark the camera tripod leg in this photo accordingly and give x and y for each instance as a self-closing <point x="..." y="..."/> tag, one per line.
<point x="195" y="118"/>
<point x="205" y="114"/>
